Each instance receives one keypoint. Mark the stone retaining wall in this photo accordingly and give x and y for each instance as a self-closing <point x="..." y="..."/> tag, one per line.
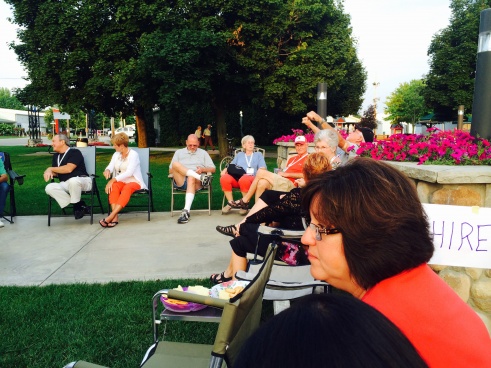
<point x="457" y="186"/>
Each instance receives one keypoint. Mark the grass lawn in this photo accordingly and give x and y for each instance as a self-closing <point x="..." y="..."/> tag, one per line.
<point x="31" y="198"/>
<point x="108" y="324"/>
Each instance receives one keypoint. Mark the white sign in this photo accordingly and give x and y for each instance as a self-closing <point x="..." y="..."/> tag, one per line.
<point x="61" y="116"/>
<point x="461" y="235"/>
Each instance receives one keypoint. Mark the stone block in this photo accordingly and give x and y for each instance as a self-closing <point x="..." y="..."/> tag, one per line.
<point x="481" y="294"/>
<point x="457" y="196"/>
<point x="437" y="268"/>
<point x="465" y="174"/>
<point x="487" y="195"/>
<point x="474" y="273"/>
<point x="458" y="281"/>
<point x="486" y="319"/>
<point x="425" y="190"/>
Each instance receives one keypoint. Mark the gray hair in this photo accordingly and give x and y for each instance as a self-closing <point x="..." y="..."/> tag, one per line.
<point x="247" y="138"/>
<point x="329" y="136"/>
<point x="63" y="137"/>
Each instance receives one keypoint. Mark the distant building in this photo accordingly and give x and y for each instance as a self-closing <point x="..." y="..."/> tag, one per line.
<point x="20" y="119"/>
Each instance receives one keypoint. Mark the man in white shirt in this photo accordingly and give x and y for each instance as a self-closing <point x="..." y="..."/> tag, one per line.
<point x="190" y="166"/>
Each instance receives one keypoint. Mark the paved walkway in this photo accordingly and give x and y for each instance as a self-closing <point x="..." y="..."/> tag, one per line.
<point x="70" y="251"/>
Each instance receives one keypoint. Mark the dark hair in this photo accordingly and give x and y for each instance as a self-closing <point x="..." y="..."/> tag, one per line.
<point x="367" y="134"/>
<point x="328" y="330"/>
<point x="384" y="227"/>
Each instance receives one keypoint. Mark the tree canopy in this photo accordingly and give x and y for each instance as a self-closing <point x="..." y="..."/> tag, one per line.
<point x="9" y="101"/>
<point x="128" y="56"/>
<point x="406" y="103"/>
<point x="369" y="118"/>
<point x="452" y="52"/>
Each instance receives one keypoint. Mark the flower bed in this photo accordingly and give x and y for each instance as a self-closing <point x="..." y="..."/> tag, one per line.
<point x="438" y="148"/>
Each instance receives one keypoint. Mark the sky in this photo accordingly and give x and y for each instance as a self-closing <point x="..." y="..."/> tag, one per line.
<point x="392" y="36"/>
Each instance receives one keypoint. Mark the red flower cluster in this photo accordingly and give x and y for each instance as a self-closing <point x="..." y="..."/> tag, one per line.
<point x="309" y="136"/>
<point x="437" y="148"/>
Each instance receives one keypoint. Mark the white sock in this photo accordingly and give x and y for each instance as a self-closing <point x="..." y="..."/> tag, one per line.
<point x="194" y="174"/>
<point x="189" y="201"/>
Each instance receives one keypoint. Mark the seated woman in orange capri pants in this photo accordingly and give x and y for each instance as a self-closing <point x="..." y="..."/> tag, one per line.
<point x="125" y="171"/>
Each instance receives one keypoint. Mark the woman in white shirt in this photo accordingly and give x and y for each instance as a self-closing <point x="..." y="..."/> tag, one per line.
<point x="126" y="178"/>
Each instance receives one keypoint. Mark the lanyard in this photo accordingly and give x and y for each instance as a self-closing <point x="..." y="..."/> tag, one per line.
<point x="60" y="161"/>
<point x="249" y="162"/>
<point x="295" y="161"/>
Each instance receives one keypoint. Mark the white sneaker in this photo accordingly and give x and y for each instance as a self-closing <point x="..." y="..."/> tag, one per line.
<point x="1" y="224"/>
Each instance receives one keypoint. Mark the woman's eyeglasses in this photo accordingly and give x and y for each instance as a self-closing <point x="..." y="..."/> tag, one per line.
<point x="320" y="229"/>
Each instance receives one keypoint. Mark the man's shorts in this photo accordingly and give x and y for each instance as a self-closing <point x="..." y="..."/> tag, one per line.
<point x="184" y="186"/>
<point x="282" y="184"/>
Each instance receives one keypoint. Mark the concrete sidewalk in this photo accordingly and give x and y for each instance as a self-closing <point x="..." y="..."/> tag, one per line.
<point x="70" y="251"/>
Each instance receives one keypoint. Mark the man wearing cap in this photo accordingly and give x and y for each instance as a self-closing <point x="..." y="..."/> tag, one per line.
<point x="284" y="181"/>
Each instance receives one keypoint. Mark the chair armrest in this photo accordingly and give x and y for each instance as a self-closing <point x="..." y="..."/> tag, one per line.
<point x="274" y="284"/>
<point x="195" y="298"/>
<point x="16" y="177"/>
<point x="282" y="233"/>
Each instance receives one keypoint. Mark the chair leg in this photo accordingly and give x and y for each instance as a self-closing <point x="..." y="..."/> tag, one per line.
<point x="209" y="200"/>
<point x="172" y="200"/>
<point x="149" y="206"/>
<point x="49" y="211"/>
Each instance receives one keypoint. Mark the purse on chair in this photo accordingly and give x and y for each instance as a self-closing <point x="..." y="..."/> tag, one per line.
<point x="235" y="171"/>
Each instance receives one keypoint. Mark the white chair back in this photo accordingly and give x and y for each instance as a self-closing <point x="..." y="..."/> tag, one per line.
<point x="89" y="158"/>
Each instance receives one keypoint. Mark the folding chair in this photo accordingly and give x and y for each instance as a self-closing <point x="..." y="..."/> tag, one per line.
<point x="286" y="282"/>
<point x="13" y="178"/>
<point x="208" y="191"/>
<point x="239" y="319"/>
<point x="144" y="154"/>
<point x="90" y="165"/>
<point x="235" y="190"/>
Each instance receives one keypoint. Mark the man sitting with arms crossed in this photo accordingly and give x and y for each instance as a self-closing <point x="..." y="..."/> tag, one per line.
<point x="69" y="166"/>
<point x="190" y="163"/>
<point x="284" y="181"/>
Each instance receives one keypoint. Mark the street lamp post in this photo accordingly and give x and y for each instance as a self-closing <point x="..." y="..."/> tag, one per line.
<point x="481" y="107"/>
<point x="241" y="133"/>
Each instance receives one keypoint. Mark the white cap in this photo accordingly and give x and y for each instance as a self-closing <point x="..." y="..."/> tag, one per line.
<point x="300" y="139"/>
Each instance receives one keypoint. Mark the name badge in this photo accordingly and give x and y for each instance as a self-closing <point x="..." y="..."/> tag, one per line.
<point x="250" y="171"/>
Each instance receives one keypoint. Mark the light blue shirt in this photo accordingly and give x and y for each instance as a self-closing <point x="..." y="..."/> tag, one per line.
<point x="256" y="161"/>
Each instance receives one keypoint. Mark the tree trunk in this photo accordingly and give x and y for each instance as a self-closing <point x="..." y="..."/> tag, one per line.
<point x="140" y="126"/>
<point x="221" y="126"/>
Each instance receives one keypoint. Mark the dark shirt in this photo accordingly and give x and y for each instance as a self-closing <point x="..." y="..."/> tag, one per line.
<point x="72" y="156"/>
<point x="286" y="211"/>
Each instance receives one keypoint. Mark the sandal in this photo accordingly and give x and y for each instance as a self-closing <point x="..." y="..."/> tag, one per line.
<point x="227" y="230"/>
<point x="112" y="224"/>
<point x="103" y="223"/>
<point x="219" y="278"/>
<point x="240" y="204"/>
